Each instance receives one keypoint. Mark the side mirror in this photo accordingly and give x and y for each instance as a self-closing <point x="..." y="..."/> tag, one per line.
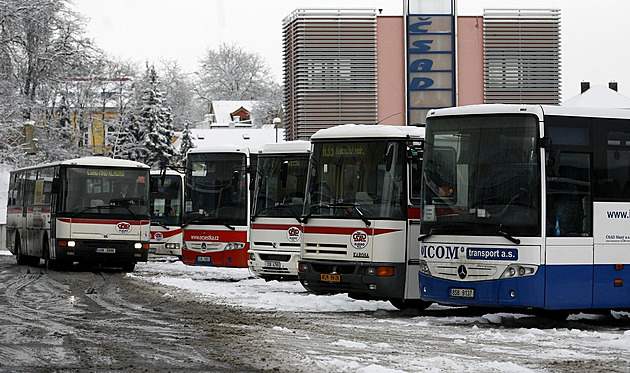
<point x="389" y="157"/>
<point x="553" y="163"/>
<point x="545" y="143"/>
<point x="55" y="187"/>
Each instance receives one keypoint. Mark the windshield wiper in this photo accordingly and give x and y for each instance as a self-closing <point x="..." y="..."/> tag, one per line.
<point x="446" y="230"/>
<point x="355" y="207"/>
<point x="207" y="219"/>
<point x="274" y="207"/>
<point x="311" y="212"/>
<point x="93" y="207"/>
<point x="507" y="236"/>
<point x="160" y="223"/>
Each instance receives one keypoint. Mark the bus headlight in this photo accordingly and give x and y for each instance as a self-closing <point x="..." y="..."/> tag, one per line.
<point x="519" y="270"/>
<point x="72" y="243"/>
<point x="137" y="245"/>
<point x="171" y="246"/>
<point x="424" y="268"/>
<point x="234" y="246"/>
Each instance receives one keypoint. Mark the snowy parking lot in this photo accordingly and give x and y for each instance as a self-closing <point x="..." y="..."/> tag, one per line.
<point x="335" y="333"/>
<point x="169" y="316"/>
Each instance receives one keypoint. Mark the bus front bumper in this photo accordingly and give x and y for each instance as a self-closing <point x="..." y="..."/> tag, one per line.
<point x="360" y="280"/>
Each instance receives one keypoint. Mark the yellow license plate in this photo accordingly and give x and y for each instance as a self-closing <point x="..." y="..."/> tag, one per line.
<point x="329" y="277"/>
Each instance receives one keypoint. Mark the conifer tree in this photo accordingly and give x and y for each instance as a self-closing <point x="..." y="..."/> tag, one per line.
<point x="186" y="143"/>
<point x="150" y="133"/>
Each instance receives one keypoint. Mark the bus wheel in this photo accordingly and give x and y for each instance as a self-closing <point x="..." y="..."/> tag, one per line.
<point x="19" y="257"/>
<point x="403" y="304"/>
<point x="129" y="267"/>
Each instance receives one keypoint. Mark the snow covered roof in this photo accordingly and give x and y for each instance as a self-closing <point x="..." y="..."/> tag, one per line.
<point x="252" y="138"/>
<point x="599" y="96"/>
<point x="223" y="109"/>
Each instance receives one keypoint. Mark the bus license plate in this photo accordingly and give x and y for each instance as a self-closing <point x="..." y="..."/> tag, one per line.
<point x="273" y="264"/>
<point x="462" y="293"/>
<point x="106" y="250"/>
<point x="204" y="259"/>
<point x="329" y="277"/>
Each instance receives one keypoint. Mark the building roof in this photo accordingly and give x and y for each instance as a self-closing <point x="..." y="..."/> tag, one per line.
<point x="223" y="109"/>
<point x="599" y="96"/>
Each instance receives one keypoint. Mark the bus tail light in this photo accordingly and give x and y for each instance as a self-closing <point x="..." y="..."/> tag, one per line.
<point x="384" y="271"/>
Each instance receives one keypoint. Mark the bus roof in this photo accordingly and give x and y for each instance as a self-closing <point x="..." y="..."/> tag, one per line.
<point x="227" y="148"/>
<point x="538" y="110"/>
<point x="167" y="172"/>
<point x="297" y="146"/>
<point x="359" y="131"/>
<point x="96" y="161"/>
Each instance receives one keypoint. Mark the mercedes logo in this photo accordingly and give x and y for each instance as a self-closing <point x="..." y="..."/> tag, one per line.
<point x="462" y="272"/>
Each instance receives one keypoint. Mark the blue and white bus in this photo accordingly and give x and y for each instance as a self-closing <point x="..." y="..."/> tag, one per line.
<point x="527" y="207"/>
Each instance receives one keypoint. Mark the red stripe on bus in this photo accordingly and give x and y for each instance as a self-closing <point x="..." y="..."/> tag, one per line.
<point x="275" y="227"/>
<point x="337" y="230"/>
<point x="103" y="221"/>
<point x="14" y="210"/>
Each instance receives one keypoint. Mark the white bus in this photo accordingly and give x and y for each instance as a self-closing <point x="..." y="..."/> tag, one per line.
<point x="527" y="207"/>
<point x="275" y="234"/>
<point x="217" y="206"/>
<point x="167" y="210"/>
<point x="362" y="214"/>
<point x="92" y="209"/>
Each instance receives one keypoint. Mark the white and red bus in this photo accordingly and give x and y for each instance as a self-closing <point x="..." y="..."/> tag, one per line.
<point x="217" y="206"/>
<point x="92" y="209"/>
<point x="362" y="214"/>
<point x="275" y="235"/>
<point x="167" y="212"/>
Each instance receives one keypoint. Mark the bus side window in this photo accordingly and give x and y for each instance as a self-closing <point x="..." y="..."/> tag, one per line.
<point x="569" y="197"/>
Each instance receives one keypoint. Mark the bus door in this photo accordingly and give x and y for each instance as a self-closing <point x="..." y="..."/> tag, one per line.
<point x="611" y="216"/>
<point x="412" y="286"/>
<point x="569" y="243"/>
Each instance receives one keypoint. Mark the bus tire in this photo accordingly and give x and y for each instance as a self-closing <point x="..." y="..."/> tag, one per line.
<point x="403" y="304"/>
<point x="129" y="267"/>
<point x="20" y="258"/>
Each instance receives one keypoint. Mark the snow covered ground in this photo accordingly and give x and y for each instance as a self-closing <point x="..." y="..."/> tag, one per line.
<point x="497" y="342"/>
<point x="338" y="334"/>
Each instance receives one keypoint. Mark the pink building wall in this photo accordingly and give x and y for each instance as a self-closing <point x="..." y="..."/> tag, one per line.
<point x="469" y="85"/>
<point x="390" y="70"/>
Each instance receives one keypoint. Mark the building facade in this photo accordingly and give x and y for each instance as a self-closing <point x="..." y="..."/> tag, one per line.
<point x="355" y="66"/>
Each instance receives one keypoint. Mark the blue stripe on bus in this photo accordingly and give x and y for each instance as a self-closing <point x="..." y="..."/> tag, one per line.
<point x="568" y="287"/>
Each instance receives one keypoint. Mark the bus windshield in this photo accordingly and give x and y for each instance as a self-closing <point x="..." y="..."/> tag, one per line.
<point x="481" y="174"/>
<point x="281" y="184"/>
<point x="104" y="191"/>
<point x="216" y="189"/>
<point x="362" y="179"/>
<point x="166" y="199"/>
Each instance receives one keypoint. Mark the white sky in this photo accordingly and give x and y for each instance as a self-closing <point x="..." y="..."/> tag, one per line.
<point x="594" y="39"/>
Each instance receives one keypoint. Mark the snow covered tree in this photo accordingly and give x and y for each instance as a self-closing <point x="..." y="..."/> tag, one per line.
<point x="186" y="143"/>
<point x="150" y="138"/>
<point x="232" y="73"/>
<point x="179" y="95"/>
